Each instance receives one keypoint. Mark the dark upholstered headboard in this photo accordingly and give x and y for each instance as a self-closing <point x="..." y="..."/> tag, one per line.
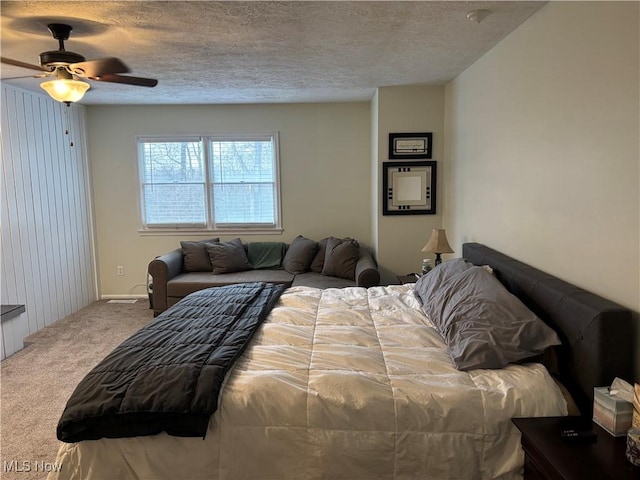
<point x="596" y="334"/>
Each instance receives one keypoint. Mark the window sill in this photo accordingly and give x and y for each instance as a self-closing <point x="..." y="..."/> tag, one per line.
<point x="202" y="231"/>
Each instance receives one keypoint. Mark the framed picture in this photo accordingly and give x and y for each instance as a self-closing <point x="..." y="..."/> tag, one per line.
<point x="409" y="188"/>
<point x="410" y="146"/>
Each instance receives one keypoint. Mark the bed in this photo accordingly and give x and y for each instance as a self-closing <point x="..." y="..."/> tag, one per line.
<point x="359" y="384"/>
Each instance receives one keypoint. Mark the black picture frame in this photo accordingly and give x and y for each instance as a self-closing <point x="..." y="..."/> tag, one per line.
<point x="409" y="188"/>
<point x="410" y="146"/>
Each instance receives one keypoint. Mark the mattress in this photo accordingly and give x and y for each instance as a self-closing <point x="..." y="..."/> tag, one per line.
<point x="346" y="383"/>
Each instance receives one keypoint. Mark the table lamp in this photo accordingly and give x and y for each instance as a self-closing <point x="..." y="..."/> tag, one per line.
<point x="437" y="244"/>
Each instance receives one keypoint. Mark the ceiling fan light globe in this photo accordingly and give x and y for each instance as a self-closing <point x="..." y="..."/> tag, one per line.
<point x="65" y="90"/>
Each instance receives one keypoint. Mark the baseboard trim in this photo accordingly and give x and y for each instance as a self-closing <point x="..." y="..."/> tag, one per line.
<point x="123" y="297"/>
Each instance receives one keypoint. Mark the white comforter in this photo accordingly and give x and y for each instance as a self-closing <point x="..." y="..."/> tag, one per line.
<point x="342" y="384"/>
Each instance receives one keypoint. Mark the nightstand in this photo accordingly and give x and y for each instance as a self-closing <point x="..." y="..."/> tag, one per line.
<point x="407" y="278"/>
<point x="547" y="456"/>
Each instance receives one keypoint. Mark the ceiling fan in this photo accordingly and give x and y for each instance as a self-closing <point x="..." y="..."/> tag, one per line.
<point x="65" y="66"/>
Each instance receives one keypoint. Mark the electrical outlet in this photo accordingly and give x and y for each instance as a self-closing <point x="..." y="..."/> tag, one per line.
<point x="120" y="270"/>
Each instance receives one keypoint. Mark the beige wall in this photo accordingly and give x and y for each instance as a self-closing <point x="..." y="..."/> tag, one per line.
<point x="543" y="148"/>
<point x="399" y="238"/>
<point x="537" y="148"/>
<point x="325" y="155"/>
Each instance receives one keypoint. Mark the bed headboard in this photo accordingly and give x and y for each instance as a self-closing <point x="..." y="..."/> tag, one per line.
<point x="596" y="334"/>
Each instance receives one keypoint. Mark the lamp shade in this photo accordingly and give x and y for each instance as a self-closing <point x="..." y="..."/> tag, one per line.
<point x="65" y="90"/>
<point x="437" y="242"/>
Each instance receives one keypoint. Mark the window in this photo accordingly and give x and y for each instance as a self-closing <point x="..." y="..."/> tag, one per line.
<point x="209" y="183"/>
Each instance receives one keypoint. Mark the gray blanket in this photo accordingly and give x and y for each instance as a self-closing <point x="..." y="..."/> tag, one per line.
<point x="167" y="376"/>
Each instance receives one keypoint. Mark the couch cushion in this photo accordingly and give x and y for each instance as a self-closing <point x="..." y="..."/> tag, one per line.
<point x="187" y="283"/>
<point x="318" y="260"/>
<point x="195" y="255"/>
<point x="228" y="257"/>
<point x="299" y="255"/>
<point x="317" y="280"/>
<point x="340" y="258"/>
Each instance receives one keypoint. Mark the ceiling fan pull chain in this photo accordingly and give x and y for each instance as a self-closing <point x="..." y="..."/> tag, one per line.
<point x="67" y="114"/>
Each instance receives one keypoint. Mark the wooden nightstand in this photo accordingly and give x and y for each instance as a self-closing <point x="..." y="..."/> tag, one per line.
<point x="547" y="456"/>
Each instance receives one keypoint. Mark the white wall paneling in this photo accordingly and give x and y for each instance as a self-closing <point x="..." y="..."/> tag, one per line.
<point x="47" y="252"/>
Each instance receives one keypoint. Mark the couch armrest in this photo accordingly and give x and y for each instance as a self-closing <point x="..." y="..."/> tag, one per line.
<point x="367" y="274"/>
<point x="163" y="269"/>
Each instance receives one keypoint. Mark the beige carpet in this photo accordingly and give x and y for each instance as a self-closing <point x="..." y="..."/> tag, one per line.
<point x="37" y="381"/>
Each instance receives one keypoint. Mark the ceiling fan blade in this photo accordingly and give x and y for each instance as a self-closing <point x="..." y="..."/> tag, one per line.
<point x="18" y="63"/>
<point x="40" y="75"/>
<point x="138" y="81"/>
<point x="98" y="67"/>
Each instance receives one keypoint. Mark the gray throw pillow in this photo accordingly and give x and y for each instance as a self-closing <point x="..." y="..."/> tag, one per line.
<point x="439" y="276"/>
<point x="484" y="325"/>
<point x="227" y="257"/>
<point x="299" y="255"/>
<point x="195" y="255"/>
<point x="318" y="261"/>
<point x="340" y="258"/>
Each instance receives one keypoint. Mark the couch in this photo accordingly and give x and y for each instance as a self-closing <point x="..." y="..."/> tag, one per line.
<point x="329" y="263"/>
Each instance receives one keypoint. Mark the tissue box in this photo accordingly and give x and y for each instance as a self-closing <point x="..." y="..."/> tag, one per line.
<point x="611" y="412"/>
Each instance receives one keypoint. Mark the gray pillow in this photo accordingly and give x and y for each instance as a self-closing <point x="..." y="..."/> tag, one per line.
<point x="228" y="257"/>
<point x="195" y="255"/>
<point x="483" y="324"/>
<point x="299" y="255"/>
<point x="428" y="284"/>
<point x="318" y="261"/>
<point x="340" y="258"/>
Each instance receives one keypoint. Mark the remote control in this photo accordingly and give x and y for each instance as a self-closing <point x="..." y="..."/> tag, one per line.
<point x="578" y="435"/>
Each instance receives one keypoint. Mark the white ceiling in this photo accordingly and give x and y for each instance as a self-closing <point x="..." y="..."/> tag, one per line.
<point x="261" y="52"/>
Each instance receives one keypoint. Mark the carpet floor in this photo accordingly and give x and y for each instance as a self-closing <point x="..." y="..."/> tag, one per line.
<point x="36" y="382"/>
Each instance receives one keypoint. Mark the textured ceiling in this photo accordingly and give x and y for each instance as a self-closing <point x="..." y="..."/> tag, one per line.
<point x="263" y="51"/>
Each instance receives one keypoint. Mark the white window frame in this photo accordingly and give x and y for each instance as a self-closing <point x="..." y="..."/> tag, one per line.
<point x="211" y="225"/>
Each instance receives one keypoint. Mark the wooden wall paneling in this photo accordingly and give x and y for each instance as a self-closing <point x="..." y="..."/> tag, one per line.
<point x="4" y="291"/>
<point x="20" y="217"/>
<point x="59" y="172"/>
<point x="8" y="343"/>
<point x="47" y="259"/>
<point x="79" y="210"/>
<point x="28" y="229"/>
<point x="42" y="211"/>
<point x="59" y="233"/>
<point x="89" y="278"/>
<point x="8" y="275"/>
<point x="11" y="234"/>
<point x="68" y="231"/>
<point x="83" y="213"/>
<point x="74" y="224"/>
<point x="76" y="234"/>
<point x="47" y="245"/>
<point x="56" y="283"/>
<point x="15" y="282"/>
